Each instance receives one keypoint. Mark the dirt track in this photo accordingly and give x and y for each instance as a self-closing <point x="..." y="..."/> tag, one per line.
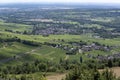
<point x="116" y="71"/>
<point x="56" y="77"/>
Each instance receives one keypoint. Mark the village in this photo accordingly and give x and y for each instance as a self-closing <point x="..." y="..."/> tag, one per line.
<point x="80" y="47"/>
<point x="108" y="57"/>
<point x="52" y="30"/>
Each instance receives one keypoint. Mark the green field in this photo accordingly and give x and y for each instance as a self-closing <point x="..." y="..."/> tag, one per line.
<point x="8" y="50"/>
<point x="14" y="27"/>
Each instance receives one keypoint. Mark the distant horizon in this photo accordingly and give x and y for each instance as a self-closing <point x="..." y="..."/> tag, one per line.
<point x="62" y="1"/>
<point x="71" y="5"/>
<point x="84" y="3"/>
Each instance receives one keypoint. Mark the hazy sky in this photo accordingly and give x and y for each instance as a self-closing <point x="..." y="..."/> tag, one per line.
<point x="75" y="1"/>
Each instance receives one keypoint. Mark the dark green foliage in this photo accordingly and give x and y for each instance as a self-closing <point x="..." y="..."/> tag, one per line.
<point x="42" y="67"/>
<point x="110" y="63"/>
<point x="15" y="39"/>
<point x="90" y="74"/>
<point x="23" y="78"/>
<point x="96" y="74"/>
<point x="81" y="59"/>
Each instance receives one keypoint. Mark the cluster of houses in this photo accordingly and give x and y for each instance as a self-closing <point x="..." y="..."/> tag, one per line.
<point x="84" y="47"/>
<point x="94" y="46"/>
<point x="108" y="57"/>
<point x="80" y="48"/>
<point x="69" y="50"/>
<point x="53" y="30"/>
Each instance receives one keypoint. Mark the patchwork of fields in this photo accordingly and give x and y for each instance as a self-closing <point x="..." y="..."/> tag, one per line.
<point x="37" y="43"/>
